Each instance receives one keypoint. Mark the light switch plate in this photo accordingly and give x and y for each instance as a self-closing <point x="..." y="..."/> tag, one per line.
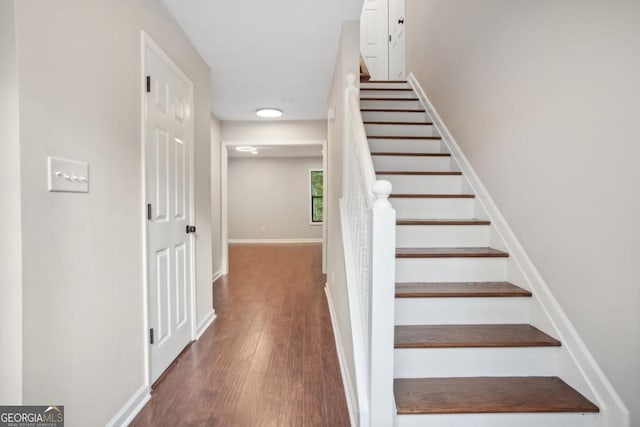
<point x="68" y="175"/>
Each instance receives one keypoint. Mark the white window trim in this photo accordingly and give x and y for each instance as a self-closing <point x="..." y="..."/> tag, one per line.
<point x="310" y="203"/>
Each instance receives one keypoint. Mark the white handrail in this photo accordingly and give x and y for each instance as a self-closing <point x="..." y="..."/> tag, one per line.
<point x="369" y="241"/>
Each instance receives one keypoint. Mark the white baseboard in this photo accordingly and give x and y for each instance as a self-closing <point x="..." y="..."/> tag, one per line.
<point x="205" y="323"/>
<point x="134" y="405"/>
<point x="349" y="391"/>
<point x="585" y="369"/>
<point x="272" y="241"/>
<point x="216" y="276"/>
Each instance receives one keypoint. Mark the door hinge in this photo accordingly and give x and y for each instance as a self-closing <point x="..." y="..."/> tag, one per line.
<point x="148" y="84"/>
<point x="151" y="336"/>
<point x="149" y="211"/>
<point x="389" y="37"/>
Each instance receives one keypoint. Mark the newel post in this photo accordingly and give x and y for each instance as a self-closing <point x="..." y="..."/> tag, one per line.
<point x="383" y="257"/>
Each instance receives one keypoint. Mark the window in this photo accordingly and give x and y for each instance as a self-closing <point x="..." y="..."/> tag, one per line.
<point x="316" y="185"/>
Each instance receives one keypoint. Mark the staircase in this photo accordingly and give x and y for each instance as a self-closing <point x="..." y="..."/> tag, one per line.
<point x="465" y="353"/>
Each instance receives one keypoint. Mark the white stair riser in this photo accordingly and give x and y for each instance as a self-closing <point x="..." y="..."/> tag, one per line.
<point x="412" y="163"/>
<point x="500" y="420"/>
<point x="433" y="208"/>
<point x="425" y="184"/>
<point x="392" y="116"/>
<point x="387" y="94"/>
<point x="392" y="85"/>
<point x="413" y="236"/>
<point x="451" y="269"/>
<point x="475" y="362"/>
<point x="394" y="105"/>
<point x="406" y="145"/>
<point x="461" y="311"/>
<point x="400" y="130"/>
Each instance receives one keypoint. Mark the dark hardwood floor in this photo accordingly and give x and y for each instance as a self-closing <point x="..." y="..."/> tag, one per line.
<point x="269" y="358"/>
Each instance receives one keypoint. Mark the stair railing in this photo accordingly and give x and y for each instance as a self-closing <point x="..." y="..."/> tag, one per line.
<point x="368" y="222"/>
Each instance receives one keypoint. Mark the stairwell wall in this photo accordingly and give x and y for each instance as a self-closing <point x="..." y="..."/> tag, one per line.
<point x="544" y="100"/>
<point x="80" y="98"/>
<point x="346" y="62"/>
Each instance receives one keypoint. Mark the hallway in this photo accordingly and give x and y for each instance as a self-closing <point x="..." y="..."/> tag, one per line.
<point x="269" y="358"/>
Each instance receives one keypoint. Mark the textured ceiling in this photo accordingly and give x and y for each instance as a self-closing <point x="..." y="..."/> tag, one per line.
<point x="278" y="53"/>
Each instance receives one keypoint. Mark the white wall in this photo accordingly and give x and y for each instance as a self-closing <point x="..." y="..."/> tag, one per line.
<point x="216" y="194"/>
<point x="281" y="130"/>
<point x="80" y="98"/>
<point x="544" y="99"/>
<point x="346" y="62"/>
<point x="269" y="198"/>
<point x="10" y="221"/>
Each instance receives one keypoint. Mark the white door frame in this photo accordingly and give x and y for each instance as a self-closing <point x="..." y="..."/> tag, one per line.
<point x="224" y="210"/>
<point x="147" y="42"/>
<point x="224" y="183"/>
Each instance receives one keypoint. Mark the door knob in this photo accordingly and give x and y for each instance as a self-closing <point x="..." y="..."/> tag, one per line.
<point x="401" y="21"/>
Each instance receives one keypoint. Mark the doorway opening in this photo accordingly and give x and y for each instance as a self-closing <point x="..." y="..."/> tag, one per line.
<point x="285" y="192"/>
<point x="382" y="38"/>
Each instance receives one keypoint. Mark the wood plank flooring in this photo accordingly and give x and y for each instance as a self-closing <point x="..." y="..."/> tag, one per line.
<point x="269" y="359"/>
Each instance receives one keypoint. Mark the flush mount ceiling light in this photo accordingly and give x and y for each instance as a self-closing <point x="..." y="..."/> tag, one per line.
<point x="269" y="113"/>
<point x="246" y="149"/>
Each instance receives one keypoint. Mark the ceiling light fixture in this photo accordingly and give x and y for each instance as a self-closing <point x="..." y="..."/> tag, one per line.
<point x="269" y="113"/>
<point x="246" y="149"/>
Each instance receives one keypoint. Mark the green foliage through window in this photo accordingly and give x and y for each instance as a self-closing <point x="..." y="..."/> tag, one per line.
<point x="317" y="203"/>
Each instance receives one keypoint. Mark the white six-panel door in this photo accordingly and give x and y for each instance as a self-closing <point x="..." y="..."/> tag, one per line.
<point x="168" y="144"/>
<point x="373" y="38"/>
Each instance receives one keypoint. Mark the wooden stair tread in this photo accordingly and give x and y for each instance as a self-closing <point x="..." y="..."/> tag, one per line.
<point x="387" y="81"/>
<point x="392" y="110"/>
<point x="474" y="221"/>
<point x="459" y="289"/>
<point x="403" y="89"/>
<point x="388" y="99"/>
<point x="365" y="75"/>
<point x="398" y="123"/>
<point x="450" y="253"/>
<point x="487" y="395"/>
<point x="448" y="336"/>
<point x="429" y="138"/>
<point x="395" y="153"/>
<point x="418" y="173"/>
<point x="433" y="196"/>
